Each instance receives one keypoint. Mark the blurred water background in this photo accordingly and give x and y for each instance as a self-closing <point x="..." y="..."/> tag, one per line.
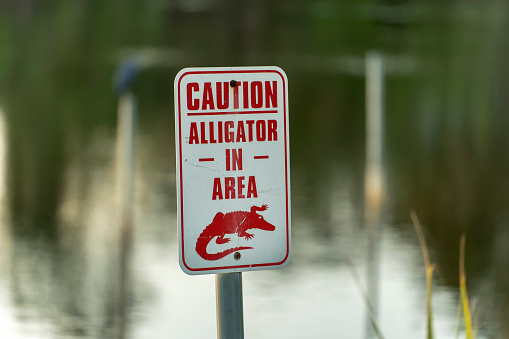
<point x="446" y="156"/>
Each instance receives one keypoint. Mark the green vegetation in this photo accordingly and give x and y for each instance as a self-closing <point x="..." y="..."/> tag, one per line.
<point x="429" y="274"/>
<point x="464" y="295"/>
<point x="464" y="302"/>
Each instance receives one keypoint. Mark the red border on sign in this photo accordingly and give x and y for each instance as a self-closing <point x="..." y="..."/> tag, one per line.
<point x="180" y="165"/>
<point x="229" y="112"/>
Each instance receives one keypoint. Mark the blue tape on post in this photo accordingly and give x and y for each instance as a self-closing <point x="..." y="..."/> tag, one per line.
<point x="125" y="76"/>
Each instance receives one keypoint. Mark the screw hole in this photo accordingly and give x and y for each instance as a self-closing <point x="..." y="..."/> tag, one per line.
<point x="236" y="256"/>
<point x="233" y="83"/>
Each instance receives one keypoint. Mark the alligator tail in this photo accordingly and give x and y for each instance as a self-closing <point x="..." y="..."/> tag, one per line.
<point x="201" y="249"/>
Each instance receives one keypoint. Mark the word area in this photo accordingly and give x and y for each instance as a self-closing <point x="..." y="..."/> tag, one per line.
<point x="234" y="188"/>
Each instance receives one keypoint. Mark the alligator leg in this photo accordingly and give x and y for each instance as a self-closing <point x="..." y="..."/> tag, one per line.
<point x="222" y="240"/>
<point x="246" y="235"/>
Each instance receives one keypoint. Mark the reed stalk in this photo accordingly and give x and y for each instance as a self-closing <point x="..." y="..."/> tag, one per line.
<point x="463" y="289"/>
<point x="429" y="274"/>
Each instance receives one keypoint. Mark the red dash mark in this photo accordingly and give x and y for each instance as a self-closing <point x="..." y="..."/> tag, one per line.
<point x="261" y="156"/>
<point x="206" y="159"/>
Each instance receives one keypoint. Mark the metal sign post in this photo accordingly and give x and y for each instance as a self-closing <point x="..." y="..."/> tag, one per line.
<point x="229" y="308"/>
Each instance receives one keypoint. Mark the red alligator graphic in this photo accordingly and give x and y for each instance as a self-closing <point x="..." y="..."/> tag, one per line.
<point x="232" y="222"/>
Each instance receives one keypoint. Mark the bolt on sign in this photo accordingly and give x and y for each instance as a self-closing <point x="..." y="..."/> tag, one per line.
<point x="233" y="169"/>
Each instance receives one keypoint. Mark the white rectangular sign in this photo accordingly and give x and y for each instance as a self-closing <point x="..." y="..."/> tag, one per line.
<point x="233" y="169"/>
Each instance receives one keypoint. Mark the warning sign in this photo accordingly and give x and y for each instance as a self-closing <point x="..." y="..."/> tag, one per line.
<point x="233" y="169"/>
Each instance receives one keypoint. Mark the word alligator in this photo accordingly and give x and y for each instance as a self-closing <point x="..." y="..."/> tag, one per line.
<point x="232" y="222"/>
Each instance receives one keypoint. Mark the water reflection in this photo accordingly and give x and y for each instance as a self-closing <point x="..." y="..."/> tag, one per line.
<point x="315" y="296"/>
<point x="64" y="287"/>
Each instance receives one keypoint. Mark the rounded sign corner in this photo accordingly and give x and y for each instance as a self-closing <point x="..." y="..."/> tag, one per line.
<point x="180" y="74"/>
<point x="186" y="269"/>
<point x="281" y="71"/>
<point x="285" y="261"/>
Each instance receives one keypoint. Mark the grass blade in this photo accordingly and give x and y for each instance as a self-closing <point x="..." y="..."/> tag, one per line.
<point x="463" y="289"/>
<point x="429" y="273"/>
<point x="458" y="316"/>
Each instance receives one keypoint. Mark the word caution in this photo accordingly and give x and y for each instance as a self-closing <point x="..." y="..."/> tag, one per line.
<point x="231" y="95"/>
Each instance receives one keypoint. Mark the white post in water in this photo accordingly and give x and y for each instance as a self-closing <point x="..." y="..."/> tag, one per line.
<point x="229" y="308"/>
<point x="374" y="138"/>
<point x="373" y="180"/>
<point x="125" y="173"/>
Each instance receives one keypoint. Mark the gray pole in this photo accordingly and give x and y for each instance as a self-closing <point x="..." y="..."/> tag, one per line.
<point x="373" y="181"/>
<point x="125" y="174"/>
<point x="229" y="308"/>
